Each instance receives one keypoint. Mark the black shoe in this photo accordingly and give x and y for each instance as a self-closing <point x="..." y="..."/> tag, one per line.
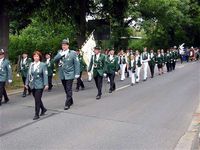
<point x="76" y="90"/>
<point x="98" y="97"/>
<point x="66" y="107"/>
<point x="24" y="95"/>
<point x="6" y="100"/>
<point x="132" y="84"/>
<point x="36" y="117"/>
<point x="43" y="112"/>
<point x="110" y="91"/>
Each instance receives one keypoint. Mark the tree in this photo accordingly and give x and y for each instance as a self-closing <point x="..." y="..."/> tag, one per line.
<point x="11" y="10"/>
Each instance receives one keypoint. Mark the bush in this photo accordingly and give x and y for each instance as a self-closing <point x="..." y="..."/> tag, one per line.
<point x="39" y="36"/>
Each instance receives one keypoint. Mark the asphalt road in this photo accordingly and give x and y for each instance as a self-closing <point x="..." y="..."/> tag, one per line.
<point x="151" y="115"/>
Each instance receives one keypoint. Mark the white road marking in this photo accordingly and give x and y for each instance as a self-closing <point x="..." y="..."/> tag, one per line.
<point x="123" y="87"/>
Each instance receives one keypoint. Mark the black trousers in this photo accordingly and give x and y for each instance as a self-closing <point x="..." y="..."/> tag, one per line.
<point x="174" y="65"/>
<point x="24" y="82"/>
<point x="111" y="76"/>
<point x="169" y="68"/>
<point x="99" y="82"/>
<point x="67" y="84"/>
<point x="37" y="94"/>
<point x="79" y="82"/>
<point x="3" y="91"/>
<point x="50" y="82"/>
<point x="151" y="66"/>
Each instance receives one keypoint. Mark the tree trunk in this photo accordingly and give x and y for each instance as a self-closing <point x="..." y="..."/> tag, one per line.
<point x="82" y="23"/>
<point x="4" y="27"/>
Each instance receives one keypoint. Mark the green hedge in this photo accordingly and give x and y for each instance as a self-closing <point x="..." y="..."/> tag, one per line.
<point x="40" y="36"/>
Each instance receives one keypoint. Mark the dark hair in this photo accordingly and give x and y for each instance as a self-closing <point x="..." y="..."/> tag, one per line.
<point x="37" y="52"/>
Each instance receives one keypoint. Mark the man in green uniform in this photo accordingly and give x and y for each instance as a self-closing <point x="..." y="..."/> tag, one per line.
<point x="51" y="70"/>
<point x="152" y="62"/>
<point x="5" y="75"/>
<point x="82" y="68"/>
<point x="112" y="67"/>
<point x="23" y="67"/>
<point x="98" y="64"/>
<point x="69" y="68"/>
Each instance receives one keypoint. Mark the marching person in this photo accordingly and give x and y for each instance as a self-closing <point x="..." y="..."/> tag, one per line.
<point x="112" y="67"/>
<point x="69" y="68"/>
<point x="23" y="67"/>
<point x="51" y="70"/>
<point x="152" y="62"/>
<point x="138" y="60"/>
<point x="98" y="64"/>
<point x="159" y="62"/>
<point x="163" y="56"/>
<point x="168" y="61"/>
<point x="145" y="60"/>
<point x="5" y="75"/>
<point x="37" y="79"/>
<point x="132" y="69"/>
<point x="122" y="60"/>
<point x="82" y="68"/>
<point x="175" y="56"/>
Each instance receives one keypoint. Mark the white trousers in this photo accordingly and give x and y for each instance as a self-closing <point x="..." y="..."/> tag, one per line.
<point x="122" y="69"/>
<point x="145" y="66"/>
<point x="132" y="76"/>
<point x="138" y="74"/>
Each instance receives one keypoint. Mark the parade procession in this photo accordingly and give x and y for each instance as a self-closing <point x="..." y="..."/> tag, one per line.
<point x="99" y="74"/>
<point x="133" y="65"/>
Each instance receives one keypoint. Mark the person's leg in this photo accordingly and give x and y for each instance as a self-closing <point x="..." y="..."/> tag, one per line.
<point x="69" y="100"/>
<point x="100" y="84"/>
<point x="37" y="97"/>
<point x="50" y="82"/>
<point x="123" y="71"/>
<point x="25" y="90"/>
<point x="2" y="84"/>
<point x="5" y="95"/>
<point x="145" y="70"/>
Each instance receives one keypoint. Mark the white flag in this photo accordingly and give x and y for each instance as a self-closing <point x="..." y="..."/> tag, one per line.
<point x="88" y="48"/>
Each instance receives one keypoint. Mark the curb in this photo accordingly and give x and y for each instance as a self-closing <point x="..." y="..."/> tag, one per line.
<point x="191" y="139"/>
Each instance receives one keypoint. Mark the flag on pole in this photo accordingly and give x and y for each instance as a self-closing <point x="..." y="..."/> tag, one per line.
<point x="87" y="50"/>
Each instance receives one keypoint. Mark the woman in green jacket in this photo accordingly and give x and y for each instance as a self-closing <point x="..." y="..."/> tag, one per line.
<point x="37" y="79"/>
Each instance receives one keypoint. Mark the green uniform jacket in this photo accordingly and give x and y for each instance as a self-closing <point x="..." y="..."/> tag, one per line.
<point x="37" y="79"/>
<point x="5" y="71"/>
<point x="152" y="59"/>
<point x="82" y="63"/>
<point x="160" y="60"/>
<point x="69" y="65"/>
<point x="24" y="67"/>
<point x="112" y="66"/>
<point x="99" y="67"/>
<point x="50" y="67"/>
<point x="168" y="58"/>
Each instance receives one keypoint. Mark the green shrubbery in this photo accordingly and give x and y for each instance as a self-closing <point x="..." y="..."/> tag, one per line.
<point x="39" y="36"/>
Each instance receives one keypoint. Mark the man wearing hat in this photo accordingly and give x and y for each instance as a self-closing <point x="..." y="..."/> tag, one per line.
<point x="82" y="68"/>
<point x="98" y="64"/>
<point x="5" y="75"/>
<point x="112" y="67"/>
<point x="69" y="68"/>
<point x="23" y="67"/>
<point x="51" y="69"/>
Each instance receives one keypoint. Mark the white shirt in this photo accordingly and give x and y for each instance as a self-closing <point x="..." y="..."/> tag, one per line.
<point x="152" y="55"/>
<point x="48" y="60"/>
<point x="111" y="57"/>
<point x="97" y="57"/>
<point x="1" y="60"/>
<point x="132" y="62"/>
<point x="24" y="60"/>
<point x="66" y="52"/>
<point x="36" y="65"/>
